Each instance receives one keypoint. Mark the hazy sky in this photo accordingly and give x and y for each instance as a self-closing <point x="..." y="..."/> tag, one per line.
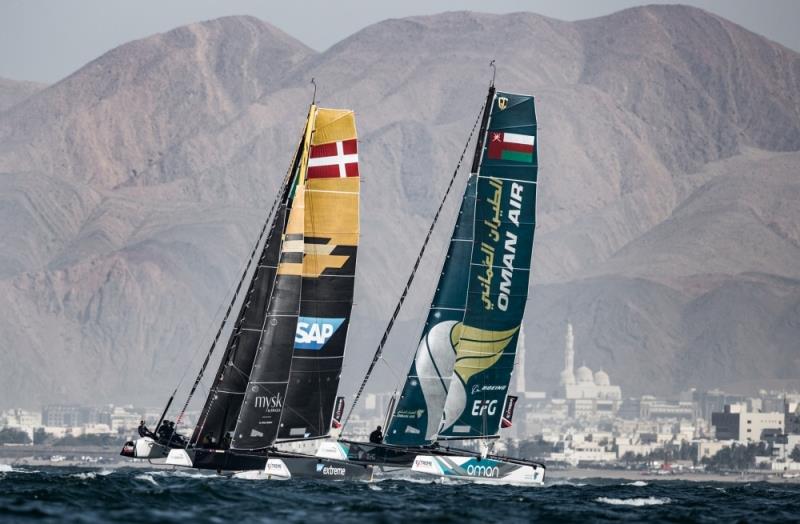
<point x="45" y="40"/>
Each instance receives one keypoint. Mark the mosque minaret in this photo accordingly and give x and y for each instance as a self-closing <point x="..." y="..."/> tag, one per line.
<point x="582" y="383"/>
<point x="568" y="376"/>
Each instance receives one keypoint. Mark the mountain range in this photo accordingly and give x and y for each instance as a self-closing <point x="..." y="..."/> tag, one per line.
<point x="668" y="215"/>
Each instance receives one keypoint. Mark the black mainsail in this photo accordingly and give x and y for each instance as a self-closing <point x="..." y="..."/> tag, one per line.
<point x="219" y="414"/>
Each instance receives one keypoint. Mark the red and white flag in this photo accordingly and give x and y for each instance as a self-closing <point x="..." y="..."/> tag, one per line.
<point x="334" y="160"/>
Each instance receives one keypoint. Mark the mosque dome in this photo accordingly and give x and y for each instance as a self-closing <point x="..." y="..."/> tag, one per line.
<point x="584" y="375"/>
<point x="601" y="378"/>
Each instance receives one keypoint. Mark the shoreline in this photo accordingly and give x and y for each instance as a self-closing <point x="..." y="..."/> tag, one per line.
<point x="634" y="475"/>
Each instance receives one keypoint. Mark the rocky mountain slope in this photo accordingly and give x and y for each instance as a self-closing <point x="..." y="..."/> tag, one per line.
<point x="13" y="92"/>
<point x="668" y="225"/>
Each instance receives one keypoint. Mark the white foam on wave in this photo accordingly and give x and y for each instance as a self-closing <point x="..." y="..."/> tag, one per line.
<point x="637" y="483"/>
<point x="373" y="487"/>
<point x="181" y="474"/>
<point x="86" y="475"/>
<point x="257" y="475"/>
<point x="8" y="468"/>
<point x="648" y="501"/>
<point x="566" y="483"/>
<point x="147" y="478"/>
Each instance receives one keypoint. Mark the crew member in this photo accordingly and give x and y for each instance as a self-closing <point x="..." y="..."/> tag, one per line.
<point x="376" y="437"/>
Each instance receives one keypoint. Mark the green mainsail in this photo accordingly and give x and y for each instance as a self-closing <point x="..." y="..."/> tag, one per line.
<point x="459" y="379"/>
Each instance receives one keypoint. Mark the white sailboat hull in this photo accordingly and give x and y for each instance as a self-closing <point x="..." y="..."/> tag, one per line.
<point x="144" y="448"/>
<point x="485" y="471"/>
<point x="179" y="457"/>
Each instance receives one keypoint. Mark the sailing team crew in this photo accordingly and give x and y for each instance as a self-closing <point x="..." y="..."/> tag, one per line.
<point x="376" y="437"/>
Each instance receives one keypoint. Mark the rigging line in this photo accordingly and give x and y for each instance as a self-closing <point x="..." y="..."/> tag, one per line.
<point x="385" y="337"/>
<point x="270" y="219"/>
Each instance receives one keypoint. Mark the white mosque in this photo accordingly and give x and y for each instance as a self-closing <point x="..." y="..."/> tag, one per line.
<point x="586" y="393"/>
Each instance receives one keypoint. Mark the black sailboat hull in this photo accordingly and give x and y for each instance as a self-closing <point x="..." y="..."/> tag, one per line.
<point x="299" y="465"/>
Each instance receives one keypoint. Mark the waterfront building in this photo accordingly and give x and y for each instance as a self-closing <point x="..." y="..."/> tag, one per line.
<point x="736" y="423"/>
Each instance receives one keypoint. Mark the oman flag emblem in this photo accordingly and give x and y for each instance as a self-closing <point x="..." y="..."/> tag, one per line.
<point x="334" y="160"/>
<point x="511" y="146"/>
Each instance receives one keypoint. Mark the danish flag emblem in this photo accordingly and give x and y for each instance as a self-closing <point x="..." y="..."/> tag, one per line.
<point x="334" y="160"/>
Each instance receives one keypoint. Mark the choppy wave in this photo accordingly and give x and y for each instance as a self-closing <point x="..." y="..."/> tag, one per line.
<point x="566" y="483"/>
<point x="131" y="495"/>
<point x="649" y="501"/>
<point x="182" y="474"/>
<point x="6" y="468"/>
<point x="147" y="478"/>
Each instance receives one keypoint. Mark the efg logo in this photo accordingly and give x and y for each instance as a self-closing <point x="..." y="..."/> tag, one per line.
<point x="314" y="332"/>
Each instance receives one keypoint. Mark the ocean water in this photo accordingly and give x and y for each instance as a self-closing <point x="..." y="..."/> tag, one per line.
<point x="61" y="494"/>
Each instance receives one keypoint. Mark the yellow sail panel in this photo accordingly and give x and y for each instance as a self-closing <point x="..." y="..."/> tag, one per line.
<point x="333" y="125"/>
<point x="336" y="185"/>
<point x="332" y="216"/>
<point x="331" y="221"/>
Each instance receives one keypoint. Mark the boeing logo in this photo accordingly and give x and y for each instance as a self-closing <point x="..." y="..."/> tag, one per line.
<point x="314" y="332"/>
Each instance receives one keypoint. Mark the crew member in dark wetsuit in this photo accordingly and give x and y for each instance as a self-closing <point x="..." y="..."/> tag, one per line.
<point x="376" y="437"/>
<point x="144" y="432"/>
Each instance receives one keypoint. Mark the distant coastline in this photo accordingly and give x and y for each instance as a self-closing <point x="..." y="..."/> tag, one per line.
<point x="106" y="457"/>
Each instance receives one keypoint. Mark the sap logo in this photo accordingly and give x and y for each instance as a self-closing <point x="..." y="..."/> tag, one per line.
<point x="479" y="407"/>
<point x="313" y="332"/>
<point x="483" y="471"/>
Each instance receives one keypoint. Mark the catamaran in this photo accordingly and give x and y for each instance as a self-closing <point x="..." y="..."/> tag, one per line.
<point x="278" y="378"/>
<point x="457" y="386"/>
